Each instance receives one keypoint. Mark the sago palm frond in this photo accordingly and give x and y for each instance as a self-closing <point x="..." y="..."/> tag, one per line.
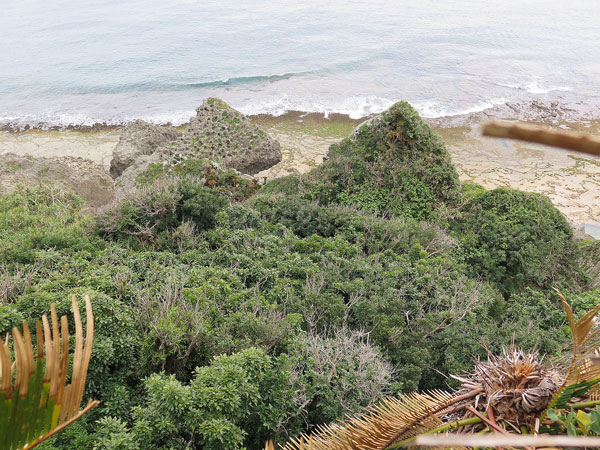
<point x="586" y="341"/>
<point x="583" y="375"/>
<point x="35" y="400"/>
<point x="391" y="421"/>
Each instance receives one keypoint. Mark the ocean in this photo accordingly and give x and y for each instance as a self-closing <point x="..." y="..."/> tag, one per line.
<point x="67" y="62"/>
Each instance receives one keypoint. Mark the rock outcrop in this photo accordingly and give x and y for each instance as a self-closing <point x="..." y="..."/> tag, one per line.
<point x="218" y="133"/>
<point x="139" y="138"/>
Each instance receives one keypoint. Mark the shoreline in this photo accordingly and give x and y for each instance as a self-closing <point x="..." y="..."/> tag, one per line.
<point x="570" y="180"/>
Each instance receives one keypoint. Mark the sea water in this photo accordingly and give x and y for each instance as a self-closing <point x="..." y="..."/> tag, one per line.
<point x="81" y="62"/>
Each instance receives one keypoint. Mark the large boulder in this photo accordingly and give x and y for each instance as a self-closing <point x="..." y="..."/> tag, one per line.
<point x="222" y="134"/>
<point x="217" y="133"/>
<point x="139" y="138"/>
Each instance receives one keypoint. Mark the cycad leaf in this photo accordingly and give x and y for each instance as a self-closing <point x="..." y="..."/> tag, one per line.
<point x="391" y="421"/>
<point x="31" y="405"/>
<point x="583" y="365"/>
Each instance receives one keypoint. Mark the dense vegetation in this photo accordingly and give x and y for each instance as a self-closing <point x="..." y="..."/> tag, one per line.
<point x="223" y="320"/>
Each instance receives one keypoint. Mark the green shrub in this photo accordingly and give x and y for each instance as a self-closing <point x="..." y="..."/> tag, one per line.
<point x="153" y="214"/>
<point x="234" y="403"/>
<point x="227" y="182"/>
<point x="113" y="434"/>
<point x="116" y="340"/>
<point x="393" y="165"/>
<point x="42" y="217"/>
<point x="516" y="239"/>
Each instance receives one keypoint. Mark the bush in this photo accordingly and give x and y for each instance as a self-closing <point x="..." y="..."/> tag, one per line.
<point x="153" y="214"/>
<point x="234" y="403"/>
<point x="516" y="239"/>
<point x="374" y="234"/>
<point x="116" y="340"/>
<point x="227" y="182"/>
<point x="113" y="434"/>
<point x="38" y="218"/>
<point x="337" y="375"/>
<point x="392" y="165"/>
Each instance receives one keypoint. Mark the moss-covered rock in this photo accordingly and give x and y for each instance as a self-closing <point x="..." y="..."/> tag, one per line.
<point x="217" y="133"/>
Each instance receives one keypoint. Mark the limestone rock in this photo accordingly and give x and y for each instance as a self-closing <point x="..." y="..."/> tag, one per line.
<point x="217" y="133"/>
<point x="139" y="138"/>
<point x="220" y="133"/>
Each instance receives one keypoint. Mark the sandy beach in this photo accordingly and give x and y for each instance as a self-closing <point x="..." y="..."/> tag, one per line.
<point x="571" y="180"/>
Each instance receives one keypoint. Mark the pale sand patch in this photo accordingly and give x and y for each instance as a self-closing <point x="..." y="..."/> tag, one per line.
<point x="299" y="152"/>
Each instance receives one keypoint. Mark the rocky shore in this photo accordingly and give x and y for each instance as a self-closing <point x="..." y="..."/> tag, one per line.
<point x="92" y="162"/>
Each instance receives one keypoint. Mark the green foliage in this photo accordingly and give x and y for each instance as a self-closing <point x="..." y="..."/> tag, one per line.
<point x="154" y="214"/>
<point x="578" y="423"/>
<point x="42" y="217"/>
<point x="113" y="434"/>
<point x="116" y="340"/>
<point x="393" y="165"/>
<point x="222" y="325"/>
<point x="228" y="183"/>
<point x="225" y="401"/>
<point x="516" y="239"/>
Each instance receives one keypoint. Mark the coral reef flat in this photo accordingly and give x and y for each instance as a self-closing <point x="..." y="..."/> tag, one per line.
<point x="571" y="180"/>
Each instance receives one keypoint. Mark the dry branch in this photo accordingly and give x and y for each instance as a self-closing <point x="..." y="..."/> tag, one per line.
<point x="578" y="142"/>
<point x="507" y="440"/>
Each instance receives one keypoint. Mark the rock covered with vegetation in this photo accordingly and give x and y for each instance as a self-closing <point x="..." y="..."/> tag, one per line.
<point x="222" y="134"/>
<point x="217" y="133"/>
<point x="227" y="315"/>
<point x="393" y="164"/>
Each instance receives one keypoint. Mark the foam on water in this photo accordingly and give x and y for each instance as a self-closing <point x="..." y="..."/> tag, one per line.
<point x="83" y="62"/>
<point x="355" y="107"/>
<point x="535" y="87"/>
<point x="433" y="109"/>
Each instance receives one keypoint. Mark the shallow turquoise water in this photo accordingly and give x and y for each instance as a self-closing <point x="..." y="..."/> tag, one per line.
<point x="80" y="62"/>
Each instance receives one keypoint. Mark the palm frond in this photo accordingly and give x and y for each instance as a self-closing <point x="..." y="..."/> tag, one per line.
<point x="586" y="342"/>
<point x="389" y="422"/>
<point x="583" y="375"/>
<point x="35" y="401"/>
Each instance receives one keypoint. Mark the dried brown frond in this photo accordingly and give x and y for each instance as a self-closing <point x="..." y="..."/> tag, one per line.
<point x="586" y="341"/>
<point x="39" y="403"/>
<point x="389" y="422"/>
<point x="516" y="385"/>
